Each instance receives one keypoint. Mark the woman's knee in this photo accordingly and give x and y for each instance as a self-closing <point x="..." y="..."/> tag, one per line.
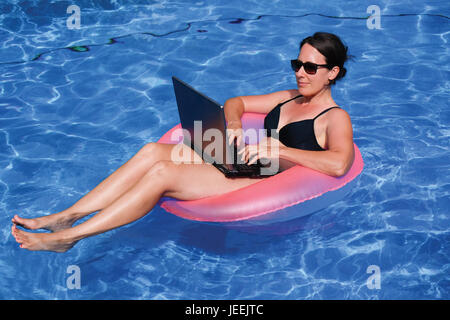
<point x="153" y="151"/>
<point x="159" y="175"/>
<point x="149" y="148"/>
<point x="163" y="169"/>
<point x="177" y="153"/>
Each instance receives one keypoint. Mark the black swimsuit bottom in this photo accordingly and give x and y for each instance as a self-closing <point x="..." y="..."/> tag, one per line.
<point x="298" y="134"/>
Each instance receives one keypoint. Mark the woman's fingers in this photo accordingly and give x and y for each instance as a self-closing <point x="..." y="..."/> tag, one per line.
<point x="234" y="134"/>
<point x="238" y="140"/>
<point x="250" y="153"/>
<point x="243" y="152"/>
<point x="262" y="150"/>
<point x="253" y="160"/>
<point x="231" y="137"/>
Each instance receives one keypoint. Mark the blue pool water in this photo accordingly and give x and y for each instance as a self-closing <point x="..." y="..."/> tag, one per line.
<point x="77" y="103"/>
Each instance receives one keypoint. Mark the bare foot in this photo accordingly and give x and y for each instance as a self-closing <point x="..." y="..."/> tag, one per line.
<point x="41" y="241"/>
<point x="53" y="222"/>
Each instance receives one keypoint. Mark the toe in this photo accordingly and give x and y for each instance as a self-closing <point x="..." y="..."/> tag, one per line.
<point x="16" y="220"/>
<point x="17" y="234"/>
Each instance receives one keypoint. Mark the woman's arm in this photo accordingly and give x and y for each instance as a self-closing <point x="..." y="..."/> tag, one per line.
<point x="332" y="163"/>
<point x="338" y="157"/>
<point x="233" y="109"/>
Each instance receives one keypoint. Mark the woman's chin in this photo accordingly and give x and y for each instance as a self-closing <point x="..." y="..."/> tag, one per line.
<point x="304" y="91"/>
<point x="308" y="91"/>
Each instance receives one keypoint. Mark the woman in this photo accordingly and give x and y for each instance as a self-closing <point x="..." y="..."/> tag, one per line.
<point x="313" y="132"/>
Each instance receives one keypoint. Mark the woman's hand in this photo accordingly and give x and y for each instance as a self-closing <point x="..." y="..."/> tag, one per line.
<point x="234" y="132"/>
<point x="267" y="148"/>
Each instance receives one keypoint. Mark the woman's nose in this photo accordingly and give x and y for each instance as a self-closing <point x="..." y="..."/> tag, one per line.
<point x="300" y="72"/>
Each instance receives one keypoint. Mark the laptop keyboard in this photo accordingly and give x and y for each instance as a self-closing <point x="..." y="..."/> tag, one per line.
<point x="244" y="167"/>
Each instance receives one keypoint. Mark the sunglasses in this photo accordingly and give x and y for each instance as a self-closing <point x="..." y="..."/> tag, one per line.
<point x="309" y="67"/>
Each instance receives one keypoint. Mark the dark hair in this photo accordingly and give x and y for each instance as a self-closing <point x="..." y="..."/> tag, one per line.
<point x="332" y="48"/>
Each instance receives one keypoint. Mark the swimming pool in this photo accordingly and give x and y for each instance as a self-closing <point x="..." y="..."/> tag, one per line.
<point x="77" y="103"/>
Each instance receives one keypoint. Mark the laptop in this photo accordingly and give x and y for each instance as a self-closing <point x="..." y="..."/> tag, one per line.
<point x="204" y="130"/>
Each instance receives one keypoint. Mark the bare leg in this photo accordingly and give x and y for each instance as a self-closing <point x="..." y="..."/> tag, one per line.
<point x="107" y="191"/>
<point x="165" y="178"/>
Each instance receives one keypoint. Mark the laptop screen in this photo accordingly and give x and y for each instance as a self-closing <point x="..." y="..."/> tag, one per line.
<point x="203" y="121"/>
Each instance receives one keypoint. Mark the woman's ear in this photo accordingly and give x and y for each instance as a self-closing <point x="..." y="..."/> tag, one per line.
<point x="333" y="73"/>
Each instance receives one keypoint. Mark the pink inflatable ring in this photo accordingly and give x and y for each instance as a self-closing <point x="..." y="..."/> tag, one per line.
<point x="291" y="194"/>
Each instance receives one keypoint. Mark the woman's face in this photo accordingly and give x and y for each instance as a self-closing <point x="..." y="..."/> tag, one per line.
<point x="311" y="84"/>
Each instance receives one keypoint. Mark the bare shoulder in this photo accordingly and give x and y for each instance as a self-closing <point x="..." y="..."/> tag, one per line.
<point x="339" y="116"/>
<point x="339" y="125"/>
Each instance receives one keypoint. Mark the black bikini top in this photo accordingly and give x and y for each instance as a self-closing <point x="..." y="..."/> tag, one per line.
<point x="298" y="134"/>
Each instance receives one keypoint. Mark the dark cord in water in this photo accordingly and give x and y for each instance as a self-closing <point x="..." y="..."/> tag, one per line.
<point x="85" y="48"/>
